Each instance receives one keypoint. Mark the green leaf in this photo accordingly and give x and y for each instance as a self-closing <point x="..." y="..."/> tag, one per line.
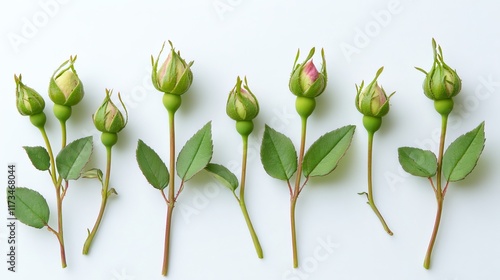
<point x="39" y="157"/>
<point x="151" y="165"/>
<point x="324" y="155"/>
<point x="278" y="154"/>
<point x="196" y="153"/>
<point x="462" y="155"/>
<point x="30" y="207"/>
<point x="418" y="162"/>
<point x="221" y="173"/>
<point x="72" y="159"/>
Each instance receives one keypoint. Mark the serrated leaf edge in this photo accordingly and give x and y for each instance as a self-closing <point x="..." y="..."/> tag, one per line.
<point x="477" y="160"/>
<point x="86" y="162"/>
<point x="402" y="166"/>
<point x="295" y="152"/>
<point x="209" y="132"/>
<point x="136" y="150"/>
<point x="34" y="212"/>
<point x="341" y="157"/>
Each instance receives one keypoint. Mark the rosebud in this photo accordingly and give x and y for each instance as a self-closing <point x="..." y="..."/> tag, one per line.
<point x="305" y="80"/>
<point x="241" y="103"/>
<point x="28" y="101"/>
<point x="108" y="118"/>
<point x="65" y="87"/>
<point x="441" y="82"/>
<point x="174" y="75"/>
<point x="372" y="101"/>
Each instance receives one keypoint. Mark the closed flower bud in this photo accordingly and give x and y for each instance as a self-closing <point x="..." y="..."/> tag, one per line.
<point x="441" y="82"/>
<point x="65" y="87"/>
<point x="241" y="103"/>
<point x="372" y="101"/>
<point x="174" y="76"/>
<point x="305" y="80"/>
<point x="28" y="101"/>
<point x="108" y="118"/>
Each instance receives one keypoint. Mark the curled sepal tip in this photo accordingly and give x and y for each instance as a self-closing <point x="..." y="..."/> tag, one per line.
<point x="65" y="87"/>
<point x="305" y="79"/>
<point x="441" y="82"/>
<point x="28" y="101"/>
<point x="242" y="105"/>
<point x="108" y="118"/>
<point x="174" y="76"/>
<point x="372" y="100"/>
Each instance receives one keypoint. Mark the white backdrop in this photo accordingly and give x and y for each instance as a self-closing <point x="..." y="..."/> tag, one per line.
<point x="259" y="39"/>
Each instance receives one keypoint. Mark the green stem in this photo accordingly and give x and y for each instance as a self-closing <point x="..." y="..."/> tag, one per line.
<point x="104" y="195"/>
<point x="243" y="207"/>
<point x="171" y="193"/>
<point x="60" y="235"/>
<point x="51" y="156"/>
<point x="427" y="261"/>
<point x="296" y="191"/>
<point x="371" y="202"/>
<point x="439" y="191"/>
<point x="63" y="134"/>
<point x="57" y="185"/>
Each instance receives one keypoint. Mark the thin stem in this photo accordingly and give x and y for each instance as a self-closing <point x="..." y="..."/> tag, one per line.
<point x="304" y="184"/>
<point x="445" y="188"/>
<point x="57" y="185"/>
<point x="296" y="191"/>
<point x="171" y="193"/>
<point x="181" y="188"/>
<point x="432" y="184"/>
<point x="60" y="226"/>
<point x="243" y="206"/>
<point x="427" y="261"/>
<point x="444" y="124"/>
<point x="164" y="197"/>
<point x="65" y="189"/>
<point x="61" y="245"/>
<point x="104" y="195"/>
<point x="293" y="203"/>
<point x="371" y="202"/>
<point x="51" y="156"/>
<point x="301" y="155"/>
<point x="59" y="202"/>
<point x="289" y="187"/>
<point x="439" y="191"/>
<point x="63" y="133"/>
<point x="170" y="209"/>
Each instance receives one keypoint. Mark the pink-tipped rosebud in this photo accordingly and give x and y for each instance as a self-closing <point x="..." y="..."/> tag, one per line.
<point x="241" y="103"/>
<point x="306" y="80"/>
<point x="372" y="101"/>
<point x="174" y="76"/>
<point x="65" y="87"/>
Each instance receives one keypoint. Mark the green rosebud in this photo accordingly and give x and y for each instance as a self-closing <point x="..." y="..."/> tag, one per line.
<point x="242" y="105"/>
<point x="65" y="88"/>
<point x="372" y="101"/>
<point x="441" y="82"/>
<point x="305" y="80"/>
<point x="174" y="75"/>
<point x="28" y="101"/>
<point x="108" y="118"/>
